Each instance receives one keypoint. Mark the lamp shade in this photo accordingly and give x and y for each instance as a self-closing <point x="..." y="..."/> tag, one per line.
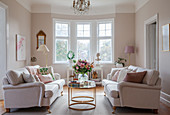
<point x="129" y="49"/>
<point x="43" y="48"/>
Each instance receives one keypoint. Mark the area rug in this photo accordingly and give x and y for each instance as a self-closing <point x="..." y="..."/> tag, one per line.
<point x="60" y="107"/>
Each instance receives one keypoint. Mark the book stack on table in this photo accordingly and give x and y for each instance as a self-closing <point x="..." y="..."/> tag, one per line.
<point x="74" y="84"/>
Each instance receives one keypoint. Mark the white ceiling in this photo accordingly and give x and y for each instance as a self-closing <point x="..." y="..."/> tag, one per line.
<point x="97" y="6"/>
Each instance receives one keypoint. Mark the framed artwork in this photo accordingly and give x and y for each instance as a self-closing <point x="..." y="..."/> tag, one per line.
<point x="20" y="48"/>
<point x="41" y="38"/>
<point x="166" y="37"/>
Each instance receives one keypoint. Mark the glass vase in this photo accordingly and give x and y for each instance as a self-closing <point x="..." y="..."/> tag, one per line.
<point x="83" y="77"/>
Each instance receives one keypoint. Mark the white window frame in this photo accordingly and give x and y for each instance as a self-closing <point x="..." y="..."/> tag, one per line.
<point x="106" y="38"/>
<point x="84" y="38"/>
<point x="60" y="38"/>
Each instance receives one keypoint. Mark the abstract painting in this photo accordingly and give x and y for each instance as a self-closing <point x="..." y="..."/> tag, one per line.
<point x="21" y="48"/>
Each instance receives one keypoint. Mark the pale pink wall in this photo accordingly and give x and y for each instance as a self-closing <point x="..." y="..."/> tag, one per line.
<point x="162" y="7"/>
<point x="19" y="22"/>
<point x="124" y="35"/>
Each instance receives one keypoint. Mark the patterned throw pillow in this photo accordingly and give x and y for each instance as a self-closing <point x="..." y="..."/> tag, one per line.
<point x="45" y="71"/>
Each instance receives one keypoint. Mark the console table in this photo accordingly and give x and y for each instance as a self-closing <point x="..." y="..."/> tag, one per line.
<point x="96" y="68"/>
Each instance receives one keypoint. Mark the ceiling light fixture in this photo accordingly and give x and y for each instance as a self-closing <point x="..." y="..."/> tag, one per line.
<point x="81" y="6"/>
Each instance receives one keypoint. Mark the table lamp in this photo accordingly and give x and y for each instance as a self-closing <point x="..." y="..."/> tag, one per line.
<point x="129" y="50"/>
<point x="43" y="48"/>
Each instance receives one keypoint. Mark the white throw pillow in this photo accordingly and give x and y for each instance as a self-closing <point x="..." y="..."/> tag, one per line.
<point x="28" y="78"/>
<point x="122" y="74"/>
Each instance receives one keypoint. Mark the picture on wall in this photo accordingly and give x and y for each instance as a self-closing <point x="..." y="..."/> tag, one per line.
<point x="166" y="37"/>
<point x="20" y="48"/>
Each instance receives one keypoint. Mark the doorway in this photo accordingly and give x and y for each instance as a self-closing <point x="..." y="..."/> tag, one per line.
<point x="3" y="44"/>
<point x="151" y="43"/>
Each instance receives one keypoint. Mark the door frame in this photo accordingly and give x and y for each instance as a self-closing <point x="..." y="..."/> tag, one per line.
<point x="2" y="5"/>
<point x="149" y="21"/>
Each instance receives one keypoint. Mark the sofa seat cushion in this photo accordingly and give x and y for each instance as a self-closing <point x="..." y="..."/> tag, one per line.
<point x="50" y="90"/>
<point x="151" y="76"/>
<point x="112" y="90"/>
<point x="59" y="82"/>
<point x="106" y="82"/>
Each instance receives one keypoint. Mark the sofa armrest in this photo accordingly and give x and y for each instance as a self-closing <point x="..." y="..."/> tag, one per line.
<point x="57" y="76"/>
<point x="23" y="95"/>
<point x="24" y="85"/>
<point x="109" y="76"/>
<point x="139" y="95"/>
<point x="137" y="85"/>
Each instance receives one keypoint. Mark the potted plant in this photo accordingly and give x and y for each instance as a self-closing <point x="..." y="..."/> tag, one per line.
<point x="81" y="68"/>
<point x="120" y="62"/>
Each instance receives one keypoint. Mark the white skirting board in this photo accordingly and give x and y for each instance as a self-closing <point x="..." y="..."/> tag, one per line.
<point x="165" y="98"/>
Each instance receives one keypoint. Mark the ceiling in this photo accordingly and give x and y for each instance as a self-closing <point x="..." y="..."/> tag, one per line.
<point x="98" y="7"/>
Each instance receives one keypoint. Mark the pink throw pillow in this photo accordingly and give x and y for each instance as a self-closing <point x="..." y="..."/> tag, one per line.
<point x="45" y="78"/>
<point x="32" y="70"/>
<point x="115" y="76"/>
<point x="135" y="77"/>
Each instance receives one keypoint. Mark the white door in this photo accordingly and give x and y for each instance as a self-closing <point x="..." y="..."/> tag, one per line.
<point x="151" y="46"/>
<point x="3" y="57"/>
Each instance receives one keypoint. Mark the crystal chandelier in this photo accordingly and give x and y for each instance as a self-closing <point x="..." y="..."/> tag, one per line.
<point x="81" y="6"/>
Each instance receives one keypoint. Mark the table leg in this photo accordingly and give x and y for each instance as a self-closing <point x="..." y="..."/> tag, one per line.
<point x="68" y="96"/>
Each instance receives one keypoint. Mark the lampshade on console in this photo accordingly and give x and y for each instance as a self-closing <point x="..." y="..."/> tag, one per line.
<point x="43" y="48"/>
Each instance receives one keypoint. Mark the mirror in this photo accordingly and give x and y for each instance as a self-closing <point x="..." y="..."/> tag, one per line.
<point x="41" y="38"/>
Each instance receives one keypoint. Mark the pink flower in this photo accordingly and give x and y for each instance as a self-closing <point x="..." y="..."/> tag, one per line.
<point x="77" y="67"/>
<point x="82" y="65"/>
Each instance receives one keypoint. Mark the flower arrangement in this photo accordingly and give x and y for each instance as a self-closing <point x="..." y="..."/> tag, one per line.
<point x="82" y="67"/>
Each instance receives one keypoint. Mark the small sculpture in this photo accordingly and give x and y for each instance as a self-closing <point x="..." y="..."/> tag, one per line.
<point x="98" y="59"/>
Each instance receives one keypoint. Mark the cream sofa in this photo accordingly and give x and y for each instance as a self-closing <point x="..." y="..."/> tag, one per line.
<point x="18" y="94"/>
<point x="144" y="95"/>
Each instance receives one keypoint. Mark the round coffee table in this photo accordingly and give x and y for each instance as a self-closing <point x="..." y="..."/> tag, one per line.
<point x="74" y="100"/>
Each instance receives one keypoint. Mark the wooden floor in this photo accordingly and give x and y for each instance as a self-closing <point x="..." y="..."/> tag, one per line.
<point x="164" y="110"/>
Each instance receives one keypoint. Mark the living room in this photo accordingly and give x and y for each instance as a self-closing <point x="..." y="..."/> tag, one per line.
<point x="112" y="29"/>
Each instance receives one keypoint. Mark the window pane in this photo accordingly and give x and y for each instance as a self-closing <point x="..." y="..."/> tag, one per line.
<point x="83" y="30"/>
<point x="64" y="26"/>
<point x="79" y="27"/>
<point x="105" y="49"/>
<point x="61" y="30"/>
<point x="101" y="33"/>
<point x="86" y="34"/>
<point x="101" y="27"/>
<point x="80" y="34"/>
<point x="108" y="26"/>
<point x="83" y="49"/>
<point x="108" y="33"/>
<point x="87" y="27"/>
<point x="61" y="50"/>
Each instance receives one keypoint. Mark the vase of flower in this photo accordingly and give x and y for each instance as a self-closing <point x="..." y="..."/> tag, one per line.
<point x="83" y="77"/>
<point x="82" y="67"/>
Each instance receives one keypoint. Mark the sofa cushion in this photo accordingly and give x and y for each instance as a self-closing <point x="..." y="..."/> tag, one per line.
<point x="122" y="74"/>
<point x="136" y="77"/>
<point x="60" y="83"/>
<point x="112" y="90"/>
<point x="33" y="69"/>
<point x="133" y="68"/>
<point x="45" y="78"/>
<point x="151" y="76"/>
<point x="46" y="70"/>
<point x="106" y="82"/>
<point x="28" y="78"/>
<point x="50" y="90"/>
<point x="115" y="76"/>
<point x="15" y="76"/>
